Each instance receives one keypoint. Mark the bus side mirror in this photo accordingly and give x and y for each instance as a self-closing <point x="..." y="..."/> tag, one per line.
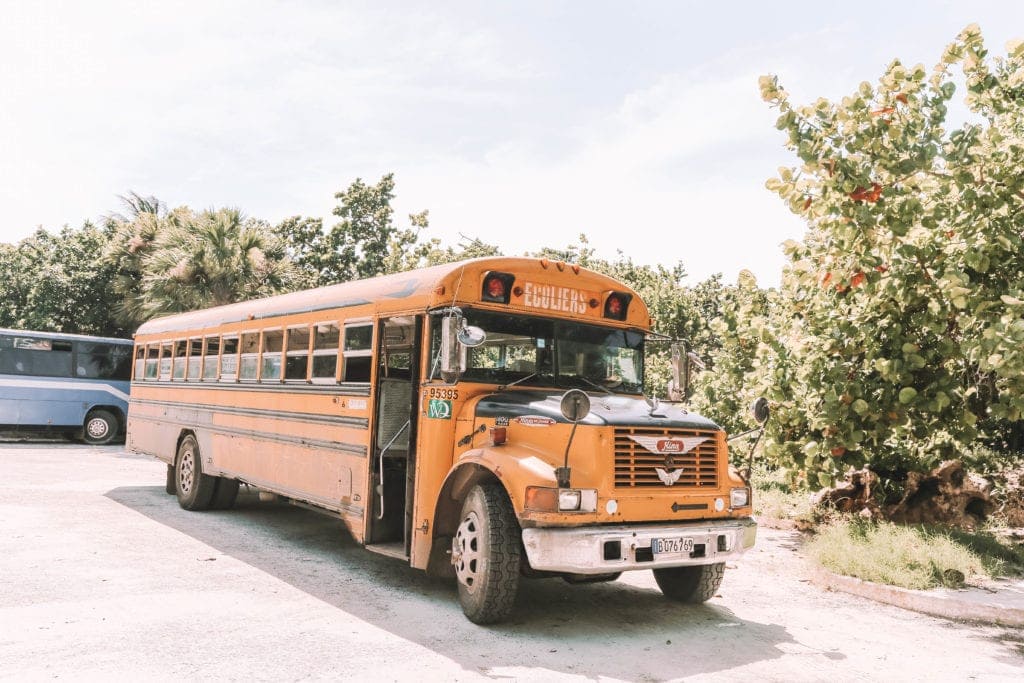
<point x="453" y="354"/>
<point x="760" y="410"/>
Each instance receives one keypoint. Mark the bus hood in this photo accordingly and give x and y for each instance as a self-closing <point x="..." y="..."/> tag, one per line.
<point x="604" y="410"/>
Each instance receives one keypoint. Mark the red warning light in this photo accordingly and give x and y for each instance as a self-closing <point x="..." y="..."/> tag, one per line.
<point x="497" y="287"/>
<point x="616" y="306"/>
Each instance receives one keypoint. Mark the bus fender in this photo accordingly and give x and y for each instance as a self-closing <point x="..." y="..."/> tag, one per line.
<point x="469" y="472"/>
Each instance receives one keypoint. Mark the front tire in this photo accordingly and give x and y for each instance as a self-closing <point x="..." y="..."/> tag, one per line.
<point x="99" y="428"/>
<point x="485" y="552"/>
<point x="194" y="489"/>
<point x="690" y="584"/>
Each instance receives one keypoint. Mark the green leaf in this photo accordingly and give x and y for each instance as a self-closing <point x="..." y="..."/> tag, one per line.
<point x="907" y="394"/>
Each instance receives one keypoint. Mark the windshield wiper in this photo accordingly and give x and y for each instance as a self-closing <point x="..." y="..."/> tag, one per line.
<point x="596" y="385"/>
<point x="521" y="379"/>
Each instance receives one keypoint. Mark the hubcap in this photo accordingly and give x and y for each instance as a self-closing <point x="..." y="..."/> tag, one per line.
<point x="186" y="471"/>
<point x="466" y="554"/>
<point x="97" y="428"/>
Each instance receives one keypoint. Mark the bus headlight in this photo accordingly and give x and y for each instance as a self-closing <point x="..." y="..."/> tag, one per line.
<point x="739" y="498"/>
<point x="543" y="499"/>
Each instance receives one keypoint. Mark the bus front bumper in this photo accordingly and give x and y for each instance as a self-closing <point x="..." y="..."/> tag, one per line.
<point x="609" y="549"/>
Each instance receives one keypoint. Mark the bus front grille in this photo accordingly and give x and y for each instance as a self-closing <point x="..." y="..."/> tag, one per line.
<point x="640" y="452"/>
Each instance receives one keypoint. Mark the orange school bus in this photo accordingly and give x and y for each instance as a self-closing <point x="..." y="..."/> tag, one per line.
<point x="483" y="420"/>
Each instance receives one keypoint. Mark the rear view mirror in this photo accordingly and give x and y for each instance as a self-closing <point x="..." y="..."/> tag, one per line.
<point x="471" y="336"/>
<point x="453" y="353"/>
<point x="760" y="410"/>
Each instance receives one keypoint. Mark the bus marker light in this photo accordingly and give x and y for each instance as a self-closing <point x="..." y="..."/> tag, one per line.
<point x="499" y="435"/>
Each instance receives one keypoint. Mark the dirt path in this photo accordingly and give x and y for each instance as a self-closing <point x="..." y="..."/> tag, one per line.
<point x="103" y="575"/>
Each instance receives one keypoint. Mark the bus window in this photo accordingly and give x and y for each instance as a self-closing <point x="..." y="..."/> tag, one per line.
<point x="297" y="362"/>
<point x="273" y="345"/>
<point x="250" y="356"/>
<point x="229" y="359"/>
<point x="103" y="361"/>
<point x="325" y="352"/>
<point x="152" y="361"/>
<point x="140" y="362"/>
<point x="195" y="358"/>
<point x="34" y="356"/>
<point x="165" y="361"/>
<point x="178" y="370"/>
<point x="211" y="356"/>
<point x="358" y="349"/>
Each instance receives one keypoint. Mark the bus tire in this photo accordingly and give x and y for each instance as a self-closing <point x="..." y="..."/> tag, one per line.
<point x="690" y="584"/>
<point x="171" y="486"/>
<point x="224" y="494"/>
<point x="486" y="555"/>
<point x="194" y="489"/>
<point x="100" y="427"/>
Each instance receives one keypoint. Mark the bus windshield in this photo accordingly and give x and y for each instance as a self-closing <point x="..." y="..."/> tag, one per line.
<point x="547" y="352"/>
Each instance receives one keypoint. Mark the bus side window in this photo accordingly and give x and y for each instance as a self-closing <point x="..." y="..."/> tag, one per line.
<point x="229" y="359"/>
<point x="180" y="360"/>
<point x="195" y="358"/>
<point x="140" y="361"/>
<point x="152" y="361"/>
<point x="325" y="352"/>
<point x="250" y="356"/>
<point x="273" y="344"/>
<point x="297" y="361"/>
<point x="357" y="353"/>
<point x="165" y="361"/>
<point x="103" y="361"/>
<point x="211" y="356"/>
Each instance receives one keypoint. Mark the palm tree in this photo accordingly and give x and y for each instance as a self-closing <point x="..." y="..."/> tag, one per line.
<point x="210" y="259"/>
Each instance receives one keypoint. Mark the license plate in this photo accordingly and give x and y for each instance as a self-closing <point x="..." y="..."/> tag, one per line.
<point x="671" y="546"/>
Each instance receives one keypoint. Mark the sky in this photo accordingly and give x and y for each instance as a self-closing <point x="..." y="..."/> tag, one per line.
<point x="524" y="124"/>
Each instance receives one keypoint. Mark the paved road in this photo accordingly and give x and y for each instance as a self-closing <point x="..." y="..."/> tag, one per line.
<point x="102" y="575"/>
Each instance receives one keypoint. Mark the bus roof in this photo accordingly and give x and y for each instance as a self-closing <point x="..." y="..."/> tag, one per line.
<point x="62" y="335"/>
<point x="451" y="283"/>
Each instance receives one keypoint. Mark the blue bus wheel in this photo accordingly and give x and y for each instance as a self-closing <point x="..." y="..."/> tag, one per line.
<point x="100" y="427"/>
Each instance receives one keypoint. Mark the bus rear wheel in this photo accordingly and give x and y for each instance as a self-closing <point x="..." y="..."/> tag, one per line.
<point x="100" y="427"/>
<point x="485" y="552"/>
<point x="690" y="584"/>
<point x="194" y="489"/>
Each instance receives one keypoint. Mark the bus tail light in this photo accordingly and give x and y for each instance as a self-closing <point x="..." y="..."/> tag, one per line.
<point x="616" y="305"/>
<point x="497" y="287"/>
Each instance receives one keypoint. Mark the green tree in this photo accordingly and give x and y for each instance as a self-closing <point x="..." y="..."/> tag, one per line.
<point x="57" y="282"/>
<point x="210" y="259"/>
<point x="905" y="341"/>
<point x="366" y="242"/>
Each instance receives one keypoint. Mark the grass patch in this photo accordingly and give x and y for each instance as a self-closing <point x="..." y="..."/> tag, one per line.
<point x="775" y="499"/>
<point x="912" y="556"/>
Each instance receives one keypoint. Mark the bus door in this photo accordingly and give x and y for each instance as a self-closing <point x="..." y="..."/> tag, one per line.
<point x="393" y="461"/>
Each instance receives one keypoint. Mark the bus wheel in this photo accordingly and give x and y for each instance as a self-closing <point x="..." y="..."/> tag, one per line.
<point x="171" y="487"/>
<point x="485" y="552"/>
<point x="690" y="584"/>
<point x="194" y="489"/>
<point x="225" y="494"/>
<point x="100" y="427"/>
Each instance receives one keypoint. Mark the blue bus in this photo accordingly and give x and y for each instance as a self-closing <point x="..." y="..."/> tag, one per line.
<point x="64" y="383"/>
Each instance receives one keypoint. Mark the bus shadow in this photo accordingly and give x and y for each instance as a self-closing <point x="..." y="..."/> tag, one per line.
<point x="617" y="629"/>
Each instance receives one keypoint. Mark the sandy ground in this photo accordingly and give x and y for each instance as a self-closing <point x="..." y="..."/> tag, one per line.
<point x="103" y="576"/>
